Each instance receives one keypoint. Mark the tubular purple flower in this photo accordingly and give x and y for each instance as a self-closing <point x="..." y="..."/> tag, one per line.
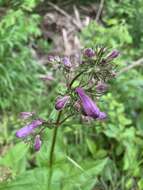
<point x="37" y="143"/>
<point x="28" y="129"/>
<point x="89" y="107"/>
<point x="113" y="54"/>
<point x="61" y="102"/>
<point x="25" y="115"/>
<point x="89" y="52"/>
<point x="67" y="63"/>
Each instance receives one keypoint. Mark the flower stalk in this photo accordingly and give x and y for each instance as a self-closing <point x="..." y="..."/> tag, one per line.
<point x="55" y="131"/>
<point x="54" y="139"/>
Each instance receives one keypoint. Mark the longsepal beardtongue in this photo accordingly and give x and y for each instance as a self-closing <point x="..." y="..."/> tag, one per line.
<point x="29" y="128"/>
<point x="89" y="106"/>
<point x="80" y="79"/>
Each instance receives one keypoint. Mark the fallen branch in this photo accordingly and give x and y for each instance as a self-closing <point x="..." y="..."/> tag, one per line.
<point x="66" y="42"/>
<point x="65" y="14"/>
<point x="99" y="10"/>
<point x="134" y="64"/>
<point x="77" y="16"/>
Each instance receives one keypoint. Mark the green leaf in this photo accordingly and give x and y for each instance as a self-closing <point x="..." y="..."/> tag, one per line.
<point x="35" y="179"/>
<point x="53" y="115"/>
<point x="92" y="146"/>
<point x="15" y="158"/>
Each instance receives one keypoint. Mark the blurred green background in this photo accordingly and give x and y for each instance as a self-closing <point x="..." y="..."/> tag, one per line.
<point x="102" y="156"/>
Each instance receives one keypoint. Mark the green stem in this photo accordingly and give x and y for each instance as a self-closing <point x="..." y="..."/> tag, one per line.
<point x="76" y="77"/>
<point x="54" y="139"/>
<point x="53" y="146"/>
<point x="61" y="122"/>
<point x="52" y="149"/>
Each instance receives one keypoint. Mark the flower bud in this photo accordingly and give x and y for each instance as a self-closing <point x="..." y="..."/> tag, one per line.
<point x="67" y="63"/>
<point x="101" y="87"/>
<point x="37" y="143"/>
<point x="61" y="102"/>
<point x="113" y="54"/>
<point x="77" y="106"/>
<point x="26" y="115"/>
<point x="89" y="52"/>
<point x="51" y="58"/>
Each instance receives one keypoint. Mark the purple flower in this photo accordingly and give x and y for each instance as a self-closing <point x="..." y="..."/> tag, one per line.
<point x="113" y="54"/>
<point x="89" y="107"/>
<point x="28" y="129"/>
<point x="104" y="61"/>
<point x="101" y="87"/>
<point x="37" y="143"/>
<point x="67" y="63"/>
<point x="89" y="52"/>
<point x="61" y="102"/>
<point x="25" y="115"/>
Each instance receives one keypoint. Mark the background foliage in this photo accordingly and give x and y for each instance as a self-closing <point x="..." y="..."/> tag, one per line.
<point x="100" y="156"/>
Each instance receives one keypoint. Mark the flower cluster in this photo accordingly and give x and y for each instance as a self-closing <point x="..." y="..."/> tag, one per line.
<point x="30" y="128"/>
<point x="85" y="78"/>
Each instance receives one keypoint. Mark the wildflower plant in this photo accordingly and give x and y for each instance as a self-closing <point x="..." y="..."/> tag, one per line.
<point x="85" y="80"/>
